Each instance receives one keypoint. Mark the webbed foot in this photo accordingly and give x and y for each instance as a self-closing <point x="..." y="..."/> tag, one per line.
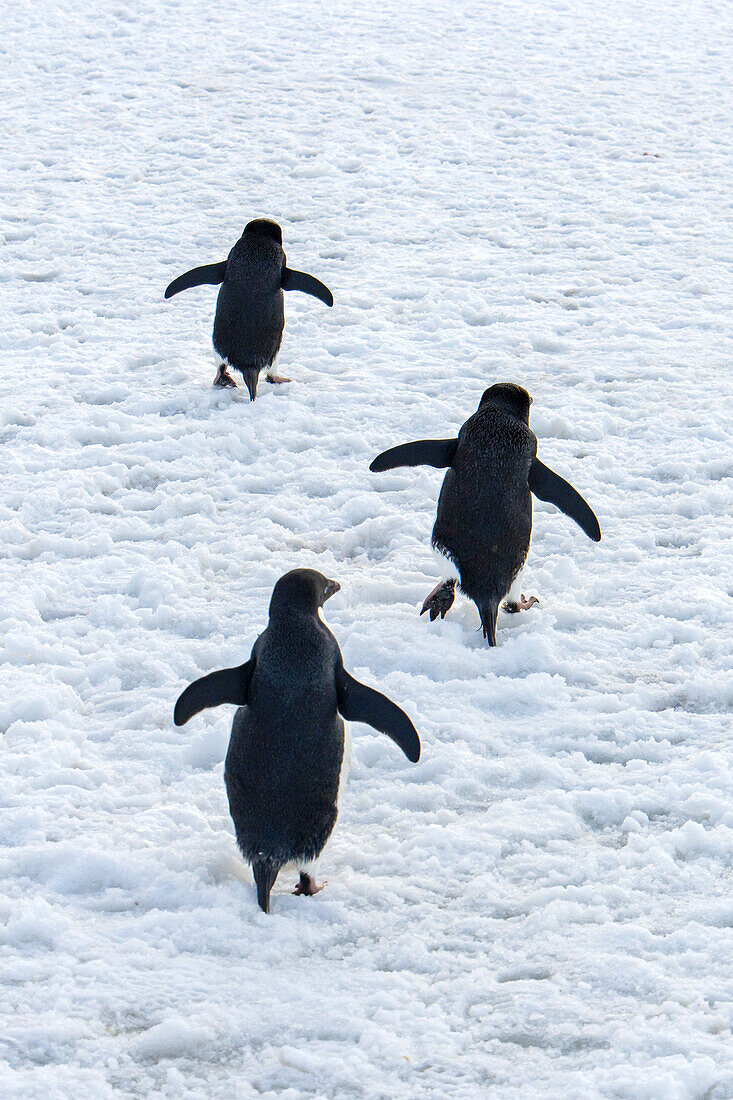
<point x="276" y="379"/>
<point x="522" y="604"/>
<point x="224" y="378"/>
<point x="307" y="886"/>
<point x="440" y="600"/>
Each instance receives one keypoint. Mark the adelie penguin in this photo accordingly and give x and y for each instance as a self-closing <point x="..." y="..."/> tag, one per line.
<point x="289" y="750"/>
<point x="250" y="313"/>
<point x="484" y="521"/>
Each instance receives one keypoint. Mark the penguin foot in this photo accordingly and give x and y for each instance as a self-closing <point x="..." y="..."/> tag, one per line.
<point x="224" y="378"/>
<point x="276" y="379"/>
<point x="440" y="600"/>
<point x="523" y="604"/>
<point x="308" y="886"/>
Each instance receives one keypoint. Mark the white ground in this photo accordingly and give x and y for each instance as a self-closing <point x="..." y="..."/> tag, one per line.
<point x="531" y="191"/>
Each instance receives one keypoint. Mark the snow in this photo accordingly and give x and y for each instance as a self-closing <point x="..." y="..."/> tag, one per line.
<point x="536" y="192"/>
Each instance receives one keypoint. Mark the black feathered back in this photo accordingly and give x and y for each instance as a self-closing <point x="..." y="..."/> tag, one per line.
<point x="250" y="314"/>
<point x="484" y="519"/>
<point x="284" y="759"/>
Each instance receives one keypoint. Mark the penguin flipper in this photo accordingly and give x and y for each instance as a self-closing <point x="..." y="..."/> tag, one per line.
<point x="197" y="276"/>
<point x="549" y="486"/>
<point x="228" y="685"/>
<point x="423" y="452"/>
<point x="299" y="280"/>
<point x="359" y="703"/>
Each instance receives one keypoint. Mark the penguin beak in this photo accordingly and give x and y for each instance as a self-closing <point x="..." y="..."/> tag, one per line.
<point x="331" y="588"/>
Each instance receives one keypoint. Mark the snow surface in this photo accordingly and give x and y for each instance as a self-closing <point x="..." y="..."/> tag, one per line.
<point x="537" y="192"/>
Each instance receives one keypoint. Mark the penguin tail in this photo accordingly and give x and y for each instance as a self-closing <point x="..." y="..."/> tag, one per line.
<point x="251" y="376"/>
<point x="488" y="611"/>
<point x="265" y="872"/>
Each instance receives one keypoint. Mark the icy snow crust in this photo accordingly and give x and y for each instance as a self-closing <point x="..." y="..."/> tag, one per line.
<point x="537" y="192"/>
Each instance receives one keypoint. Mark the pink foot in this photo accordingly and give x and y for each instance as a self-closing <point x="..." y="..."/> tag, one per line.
<point x="520" y="605"/>
<point x="440" y="600"/>
<point x="276" y="379"/>
<point x="308" y="886"/>
<point x="224" y="378"/>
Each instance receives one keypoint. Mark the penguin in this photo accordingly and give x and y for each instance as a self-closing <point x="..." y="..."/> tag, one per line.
<point x="250" y="314"/>
<point x="289" y="750"/>
<point x="484" y="520"/>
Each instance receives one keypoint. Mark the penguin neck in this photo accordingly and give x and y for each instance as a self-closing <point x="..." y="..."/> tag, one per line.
<point x="287" y="612"/>
<point x="507" y="406"/>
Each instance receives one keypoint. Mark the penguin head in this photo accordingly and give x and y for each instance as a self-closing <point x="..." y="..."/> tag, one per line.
<point x="261" y="227"/>
<point x="512" y="399"/>
<point x="302" y="590"/>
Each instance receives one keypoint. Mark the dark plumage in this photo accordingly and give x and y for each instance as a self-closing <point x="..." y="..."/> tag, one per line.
<point x="250" y="314"/>
<point x="283" y="768"/>
<point x="484" y="519"/>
